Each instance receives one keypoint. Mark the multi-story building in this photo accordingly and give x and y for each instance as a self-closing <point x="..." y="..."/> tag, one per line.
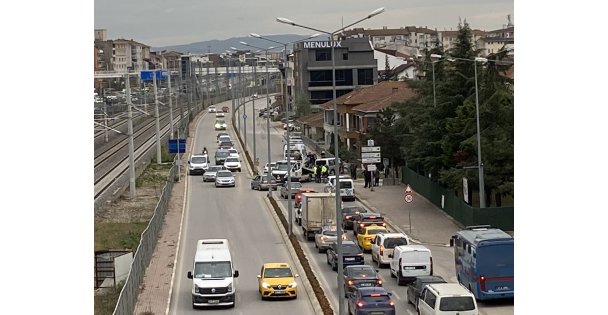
<point x="495" y="40"/>
<point x="355" y="66"/>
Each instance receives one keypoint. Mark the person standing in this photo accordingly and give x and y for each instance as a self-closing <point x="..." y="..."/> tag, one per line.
<point x="314" y="172"/>
<point x="353" y="171"/>
<point x="367" y="177"/>
<point x="376" y="178"/>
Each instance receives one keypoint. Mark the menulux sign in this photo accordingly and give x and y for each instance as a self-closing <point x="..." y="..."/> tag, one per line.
<point x="325" y="44"/>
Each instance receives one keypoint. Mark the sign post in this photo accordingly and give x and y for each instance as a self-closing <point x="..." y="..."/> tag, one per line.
<point x="408" y="200"/>
<point x="371" y="155"/>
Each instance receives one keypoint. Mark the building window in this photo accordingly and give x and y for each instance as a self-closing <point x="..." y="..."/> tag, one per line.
<point x="365" y="76"/>
<point x="344" y="77"/>
<point x="322" y="54"/>
<point x="345" y="56"/>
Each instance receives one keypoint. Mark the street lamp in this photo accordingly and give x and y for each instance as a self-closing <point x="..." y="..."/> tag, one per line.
<point x="336" y="145"/>
<point x="269" y="174"/>
<point x="289" y="206"/>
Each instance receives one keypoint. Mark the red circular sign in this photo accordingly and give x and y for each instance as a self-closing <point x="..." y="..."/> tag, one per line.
<point x="408" y="198"/>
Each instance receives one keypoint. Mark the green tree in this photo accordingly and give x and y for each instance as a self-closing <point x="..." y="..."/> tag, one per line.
<point x="385" y="134"/>
<point x="303" y="106"/>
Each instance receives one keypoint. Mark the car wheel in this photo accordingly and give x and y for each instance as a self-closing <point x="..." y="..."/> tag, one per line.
<point x="391" y="273"/>
<point x="399" y="278"/>
<point x="239" y="169"/>
<point x="327" y="257"/>
<point x="407" y="296"/>
<point x="252" y="188"/>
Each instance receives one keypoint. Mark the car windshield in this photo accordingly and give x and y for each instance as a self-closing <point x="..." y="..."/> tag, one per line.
<point x="199" y="160"/>
<point x="277" y="273"/>
<point x="220" y="121"/>
<point x="221" y="269"/>
<point x="350" y="248"/>
<point x="214" y="168"/>
<point x="330" y="232"/>
<point x="232" y="159"/>
<point x="233" y="151"/>
<point x="456" y="304"/>
<point x="295" y="185"/>
<point x="281" y="166"/>
<point x="352" y="210"/>
<point x="361" y="272"/>
<point x="222" y="154"/>
<point x="224" y="174"/>
<point x="224" y="139"/>
<point x="375" y="231"/>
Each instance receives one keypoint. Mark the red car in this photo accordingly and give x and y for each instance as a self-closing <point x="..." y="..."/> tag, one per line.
<point x="225" y="109"/>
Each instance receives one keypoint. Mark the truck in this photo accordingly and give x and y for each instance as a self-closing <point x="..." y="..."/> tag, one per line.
<point x="318" y="210"/>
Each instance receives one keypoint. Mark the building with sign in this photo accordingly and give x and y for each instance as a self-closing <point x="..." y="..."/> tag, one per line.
<point x="354" y="64"/>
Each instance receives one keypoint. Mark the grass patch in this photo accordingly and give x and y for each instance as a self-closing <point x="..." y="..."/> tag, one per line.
<point x="105" y="303"/>
<point x="118" y="235"/>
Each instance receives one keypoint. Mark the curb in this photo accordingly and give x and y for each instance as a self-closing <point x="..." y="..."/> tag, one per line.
<point x="307" y="286"/>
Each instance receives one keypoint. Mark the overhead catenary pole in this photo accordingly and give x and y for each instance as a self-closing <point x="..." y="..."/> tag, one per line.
<point x="255" y="82"/>
<point x="130" y="135"/>
<point x="172" y="135"/>
<point x="157" y="120"/>
<point x="268" y="112"/>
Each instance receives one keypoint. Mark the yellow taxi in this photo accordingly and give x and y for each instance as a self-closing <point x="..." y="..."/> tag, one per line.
<point x="366" y="238"/>
<point x="276" y="280"/>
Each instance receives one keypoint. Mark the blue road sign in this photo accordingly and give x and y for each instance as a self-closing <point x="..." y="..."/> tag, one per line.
<point x="146" y="75"/>
<point x="177" y="145"/>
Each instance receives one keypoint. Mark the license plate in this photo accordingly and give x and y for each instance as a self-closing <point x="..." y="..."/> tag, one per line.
<point x="213" y="301"/>
<point x="279" y="291"/>
<point x="349" y="258"/>
<point x="366" y="284"/>
<point x="377" y="313"/>
<point x="502" y="288"/>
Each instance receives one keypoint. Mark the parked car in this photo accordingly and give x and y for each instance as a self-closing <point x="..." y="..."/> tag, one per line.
<point x="374" y="300"/>
<point x="225" y="178"/>
<point x="276" y="280"/>
<point x="359" y="277"/>
<point x="260" y="182"/>
<point x="352" y="254"/>
<point x="327" y="236"/>
<point x="414" y="289"/>
<point x="350" y="214"/>
<point x="290" y="188"/>
<point x="209" y="175"/>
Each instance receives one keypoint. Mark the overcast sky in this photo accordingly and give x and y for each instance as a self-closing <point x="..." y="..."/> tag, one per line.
<point x="160" y="23"/>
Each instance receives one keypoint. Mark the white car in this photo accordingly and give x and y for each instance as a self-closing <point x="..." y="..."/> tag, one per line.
<point x="198" y="164"/>
<point x="232" y="164"/>
<point x="225" y="178"/>
<point x="233" y="153"/>
<point x="384" y="244"/>
<point x="272" y="165"/>
<point x="211" y="172"/>
<point x="220" y="124"/>
<point x="212" y="109"/>
<point x="219" y="114"/>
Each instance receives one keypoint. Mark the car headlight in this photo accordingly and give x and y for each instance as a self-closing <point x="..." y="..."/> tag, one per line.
<point x="195" y="288"/>
<point x="230" y="287"/>
<point x="293" y="285"/>
<point x="265" y="285"/>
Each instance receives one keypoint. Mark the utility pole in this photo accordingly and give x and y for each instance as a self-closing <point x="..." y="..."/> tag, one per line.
<point x="255" y="84"/>
<point x="130" y="134"/>
<point x="171" y="136"/>
<point x="238" y="96"/>
<point x="157" y="117"/>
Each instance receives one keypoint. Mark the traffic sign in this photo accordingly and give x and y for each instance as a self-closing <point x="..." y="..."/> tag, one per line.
<point x="372" y="167"/>
<point x="244" y="116"/>
<point x="408" y="190"/>
<point x="370" y="149"/>
<point x="370" y="160"/>
<point x="147" y="75"/>
<point x="370" y="155"/>
<point x="176" y="146"/>
<point x="370" y="143"/>
<point x="408" y="198"/>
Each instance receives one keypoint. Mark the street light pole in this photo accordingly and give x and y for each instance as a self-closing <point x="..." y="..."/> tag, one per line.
<point x="255" y="82"/>
<point x="482" y="195"/>
<point x="336" y="149"/>
<point x="157" y="120"/>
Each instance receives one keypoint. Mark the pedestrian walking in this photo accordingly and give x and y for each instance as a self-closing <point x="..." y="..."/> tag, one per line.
<point x="367" y="176"/>
<point x="376" y="178"/>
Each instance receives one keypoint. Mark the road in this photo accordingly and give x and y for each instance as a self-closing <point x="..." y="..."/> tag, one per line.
<point x="443" y="257"/>
<point x="240" y="215"/>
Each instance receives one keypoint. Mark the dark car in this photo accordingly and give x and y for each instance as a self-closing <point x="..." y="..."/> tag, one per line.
<point x="414" y="288"/>
<point x="219" y="134"/>
<point x="225" y="109"/>
<point x="260" y="182"/>
<point x="352" y="254"/>
<point x="226" y="145"/>
<point x="367" y="219"/>
<point x="350" y="215"/>
<point x="374" y="300"/>
<point x="221" y="156"/>
<point x="360" y="276"/>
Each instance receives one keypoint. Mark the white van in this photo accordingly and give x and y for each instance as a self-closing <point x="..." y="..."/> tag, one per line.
<point x="213" y="274"/>
<point x="347" y="187"/>
<point x="198" y="164"/>
<point x="446" y="298"/>
<point x="409" y="262"/>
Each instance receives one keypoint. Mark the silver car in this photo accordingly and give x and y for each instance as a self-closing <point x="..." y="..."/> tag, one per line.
<point x="209" y="175"/>
<point x="325" y="238"/>
<point x="225" y="178"/>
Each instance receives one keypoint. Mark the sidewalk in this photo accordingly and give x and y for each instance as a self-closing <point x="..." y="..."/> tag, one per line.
<point x="429" y="225"/>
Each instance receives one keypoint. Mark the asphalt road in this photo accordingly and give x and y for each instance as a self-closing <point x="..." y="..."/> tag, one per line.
<point x="239" y="215"/>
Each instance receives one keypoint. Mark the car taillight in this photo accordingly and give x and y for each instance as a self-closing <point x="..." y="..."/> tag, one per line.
<point x="391" y="303"/>
<point x="368" y="238"/>
<point x="379" y="282"/>
<point x="361" y="225"/>
<point x="360" y="304"/>
<point x="381" y="250"/>
<point x="350" y="282"/>
<point x="348" y="217"/>
<point x="482" y="283"/>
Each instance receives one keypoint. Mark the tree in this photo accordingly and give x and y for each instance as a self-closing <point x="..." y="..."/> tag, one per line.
<point x="303" y="106"/>
<point x="385" y="134"/>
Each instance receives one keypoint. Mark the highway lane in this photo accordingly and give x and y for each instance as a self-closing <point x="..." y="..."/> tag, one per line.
<point x="239" y="215"/>
<point x="443" y="256"/>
